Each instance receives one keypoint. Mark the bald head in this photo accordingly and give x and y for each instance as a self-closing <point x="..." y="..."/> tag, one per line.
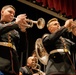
<point x="30" y="59"/>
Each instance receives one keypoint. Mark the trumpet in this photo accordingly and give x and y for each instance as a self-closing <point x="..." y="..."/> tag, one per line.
<point x="40" y="23"/>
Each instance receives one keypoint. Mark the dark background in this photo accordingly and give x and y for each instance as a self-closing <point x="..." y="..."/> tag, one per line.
<point x="32" y="33"/>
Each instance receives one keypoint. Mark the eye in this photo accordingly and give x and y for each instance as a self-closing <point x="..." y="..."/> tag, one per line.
<point x="55" y="23"/>
<point x="11" y="12"/>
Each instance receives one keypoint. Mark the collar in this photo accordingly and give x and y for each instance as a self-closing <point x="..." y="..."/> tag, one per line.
<point x="3" y="22"/>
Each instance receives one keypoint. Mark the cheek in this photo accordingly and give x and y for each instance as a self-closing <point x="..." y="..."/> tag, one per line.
<point x="50" y="29"/>
<point x="74" y="30"/>
<point x="6" y="13"/>
<point x="53" y="29"/>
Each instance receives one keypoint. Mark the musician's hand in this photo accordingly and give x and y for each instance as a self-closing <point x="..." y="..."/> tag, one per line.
<point x="21" y="21"/>
<point x="36" y="74"/>
<point x="20" y="73"/>
<point x="68" y="23"/>
<point x="74" y="28"/>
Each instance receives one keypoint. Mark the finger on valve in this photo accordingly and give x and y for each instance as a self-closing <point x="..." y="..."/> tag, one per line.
<point x="23" y="29"/>
<point x="68" y="22"/>
<point x="21" y="18"/>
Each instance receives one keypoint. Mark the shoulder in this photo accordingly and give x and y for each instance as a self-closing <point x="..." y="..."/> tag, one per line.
<point x="45" y="35"/>
<point x="1" y="24"/>
<point x="22" y="68"/>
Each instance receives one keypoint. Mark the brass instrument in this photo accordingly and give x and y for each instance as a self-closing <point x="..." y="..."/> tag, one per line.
<point x="36" y="68"/>
<point x="41" y="52"/>
<point x="40" y="23"/>
<point x="72" y="26"/>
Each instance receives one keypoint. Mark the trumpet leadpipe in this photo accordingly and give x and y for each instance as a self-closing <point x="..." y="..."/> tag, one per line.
<point x="40" y="23"/>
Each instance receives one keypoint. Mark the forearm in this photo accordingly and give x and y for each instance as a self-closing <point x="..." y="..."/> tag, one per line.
<point x="59" y="33"/>
<point x="53" y="37"/>
<point x="4" y="28"/>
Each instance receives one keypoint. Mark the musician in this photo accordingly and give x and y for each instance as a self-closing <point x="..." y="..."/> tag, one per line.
<point x="12" y="35"/>
<point x="31" y="67"/>
<point x="59" y="48"/>
<point x="35" y="55"/>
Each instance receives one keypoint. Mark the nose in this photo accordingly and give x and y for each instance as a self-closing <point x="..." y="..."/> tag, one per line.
<point x="57" y="25"/>
<point x="34" y="62"/>
<point x="12" y="15"/>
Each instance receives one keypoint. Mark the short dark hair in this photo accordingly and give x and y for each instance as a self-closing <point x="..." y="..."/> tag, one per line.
<point x="8" y="6"/>
<point x="53" y="19"/>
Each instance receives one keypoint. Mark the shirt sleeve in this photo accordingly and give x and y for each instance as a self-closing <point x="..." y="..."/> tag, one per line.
<point x="23" y="70"/>
<point x="4" y="28"/>
<point x="53" y="37"/>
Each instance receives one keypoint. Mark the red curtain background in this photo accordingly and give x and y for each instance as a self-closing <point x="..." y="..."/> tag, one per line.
<point x="66" y="7"/>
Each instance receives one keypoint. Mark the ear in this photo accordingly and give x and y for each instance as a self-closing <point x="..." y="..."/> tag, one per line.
<point x="2" y="12"/>
<point x="27" y="64"/>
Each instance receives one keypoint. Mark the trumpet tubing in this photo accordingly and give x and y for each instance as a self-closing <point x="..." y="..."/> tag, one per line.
<point x="40" y="23"/>
<point x="41" y="51"/>
<point x="37" y="68"/>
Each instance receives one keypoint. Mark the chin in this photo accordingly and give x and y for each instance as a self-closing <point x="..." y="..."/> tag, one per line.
<point x="9" y="20"/>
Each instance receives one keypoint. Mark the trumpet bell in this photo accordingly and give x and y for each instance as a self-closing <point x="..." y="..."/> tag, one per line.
<point x="40" y="23"/>
<point x="41" y="52"/>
